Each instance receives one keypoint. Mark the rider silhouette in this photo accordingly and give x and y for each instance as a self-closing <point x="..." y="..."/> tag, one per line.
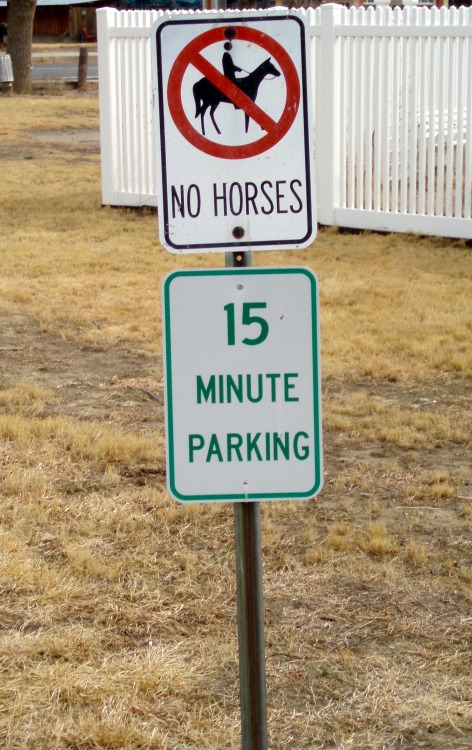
<point x="229" y="68"/>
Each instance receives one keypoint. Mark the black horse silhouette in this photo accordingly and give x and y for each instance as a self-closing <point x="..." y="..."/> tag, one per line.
<point x="206" y="94"/>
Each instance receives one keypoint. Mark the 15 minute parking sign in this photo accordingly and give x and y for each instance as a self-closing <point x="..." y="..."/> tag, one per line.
<point x="234" y="132"/>
<point x="242" y="379"/>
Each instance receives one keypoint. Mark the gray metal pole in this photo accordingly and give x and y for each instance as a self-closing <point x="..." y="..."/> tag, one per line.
<point x="252" y="677"/>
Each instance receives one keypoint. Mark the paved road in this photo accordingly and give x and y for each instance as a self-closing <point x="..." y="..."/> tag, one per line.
<point x="56" y="65"/>
<point x="63" y="70"/>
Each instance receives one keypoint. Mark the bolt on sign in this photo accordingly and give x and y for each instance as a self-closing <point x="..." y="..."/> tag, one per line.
<point x="234" y="131"/>
<point x="243" y="416"/>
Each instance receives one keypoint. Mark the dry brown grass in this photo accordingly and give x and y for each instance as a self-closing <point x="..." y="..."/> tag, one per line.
<point x="117" y="613"/>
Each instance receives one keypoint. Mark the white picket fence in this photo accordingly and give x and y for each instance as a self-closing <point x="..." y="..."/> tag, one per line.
<point x="393" y="115"/>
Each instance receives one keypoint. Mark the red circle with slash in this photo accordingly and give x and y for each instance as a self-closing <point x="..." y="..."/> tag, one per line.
<point x="275" y="129"/>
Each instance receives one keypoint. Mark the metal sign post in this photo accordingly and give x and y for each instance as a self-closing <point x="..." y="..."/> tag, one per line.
<point x="252" y="678"/>
<point x="235" y="154"/>
<point x="249" y="583"/>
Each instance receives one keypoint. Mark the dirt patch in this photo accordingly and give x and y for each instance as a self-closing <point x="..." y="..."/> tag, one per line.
<point x="81" y="144"/>
<point x="43" y="145"/>
<point x="84" y="139"/>
<point x="119" y="386"/>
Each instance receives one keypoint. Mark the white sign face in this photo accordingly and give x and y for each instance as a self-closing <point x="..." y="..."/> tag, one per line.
<point x="243" y="405"/>
<point x="234" y="131"/>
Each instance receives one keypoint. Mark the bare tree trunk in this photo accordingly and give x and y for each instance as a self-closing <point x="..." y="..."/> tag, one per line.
<point x="20" y="41"/>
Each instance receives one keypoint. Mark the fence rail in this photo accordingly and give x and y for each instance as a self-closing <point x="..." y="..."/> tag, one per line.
<point x="393" y="115"/>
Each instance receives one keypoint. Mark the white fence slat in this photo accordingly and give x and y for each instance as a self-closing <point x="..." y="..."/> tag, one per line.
<point x="404" y="126"/>
<point x="327" y="143"/>
<point x="108" y="126"/>
<point x="343" y="122"/>
<point x="412" y="124"/>
<point x="384" y="134"/>
<point x="368" y="130"/>
<point x="359" y="121"/>
<point x="422" y="108"/>
<point x="440" y="137"/>
<point x="351" y="154"/>
<point x="468" y="139"/>
<point x="459" y="135"/>
<point x="449" y="118"/>
<point x="377" y="125"/>
<point x="395" y="128"/>
<point x="432" y="108"/>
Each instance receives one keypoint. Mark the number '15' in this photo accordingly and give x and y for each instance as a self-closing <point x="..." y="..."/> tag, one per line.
<point x="248" y="318"/>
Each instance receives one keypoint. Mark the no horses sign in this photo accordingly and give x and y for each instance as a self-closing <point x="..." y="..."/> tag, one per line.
<point x="234" y="134"/>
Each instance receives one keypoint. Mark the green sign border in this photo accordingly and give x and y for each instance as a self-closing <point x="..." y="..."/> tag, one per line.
<point x="167" y="342"/>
